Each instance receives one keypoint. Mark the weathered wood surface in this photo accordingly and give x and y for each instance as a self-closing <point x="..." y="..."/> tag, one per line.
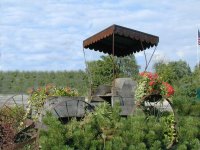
<point x="63" y="107"/>
<point x="124" y="93"/>
<point x="13" y="98"/>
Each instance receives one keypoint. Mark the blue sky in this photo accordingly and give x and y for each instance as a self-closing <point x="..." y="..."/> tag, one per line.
<point x="48" y="34"/>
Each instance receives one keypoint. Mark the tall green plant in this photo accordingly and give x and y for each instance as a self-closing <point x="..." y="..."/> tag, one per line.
<point x="53" y="138"/>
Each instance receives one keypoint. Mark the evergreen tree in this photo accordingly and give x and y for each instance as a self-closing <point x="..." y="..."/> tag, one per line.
<point x="106" y="129"/>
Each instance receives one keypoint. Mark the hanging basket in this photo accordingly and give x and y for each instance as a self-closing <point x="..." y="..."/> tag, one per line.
<point x="153" y="97"/>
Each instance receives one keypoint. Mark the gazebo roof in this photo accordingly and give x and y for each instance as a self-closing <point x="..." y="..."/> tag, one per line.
<point x="120" y="41"/>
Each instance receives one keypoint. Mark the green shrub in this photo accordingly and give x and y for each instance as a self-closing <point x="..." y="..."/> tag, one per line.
<point x="53" y="138"/>
<point x="106" y="129"/>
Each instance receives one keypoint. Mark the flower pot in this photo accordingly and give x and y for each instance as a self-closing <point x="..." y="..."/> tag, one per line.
<point x="152" y="98"/>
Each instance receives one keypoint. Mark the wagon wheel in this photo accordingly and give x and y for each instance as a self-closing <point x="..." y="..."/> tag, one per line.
<point x="67" y="109"/>
<point x="161" y="108"/>
<point x="18" y="100"/>
<point x="14" y="108"/>
<point x="12" y="113"/>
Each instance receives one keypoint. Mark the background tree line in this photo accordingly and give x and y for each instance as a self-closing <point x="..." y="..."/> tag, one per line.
<point x="177" y="73"/>
<point x="99" y="72"/>
<point x="19" y="82"/>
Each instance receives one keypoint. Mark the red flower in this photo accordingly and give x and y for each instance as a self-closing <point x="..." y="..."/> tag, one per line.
<point x="151" y="76"/>
<point x="169" y="89"/>
<point x="30" y="90"/>
<point x="155" y="76"/>
<point x="39" y="89"/>
<point x="67" y="89"/>
<point x="155" y="84"/>
<point x="151" y="83"/>
<point x="142" y="74"/>
<point x="49" y="86"/>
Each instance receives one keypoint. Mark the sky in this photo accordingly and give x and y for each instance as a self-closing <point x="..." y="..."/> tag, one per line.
<point x="47" y="35"/>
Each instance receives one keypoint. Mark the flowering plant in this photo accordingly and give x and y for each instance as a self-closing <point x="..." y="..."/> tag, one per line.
<point x="39" y="96"/>
<point x="150" y="83"/>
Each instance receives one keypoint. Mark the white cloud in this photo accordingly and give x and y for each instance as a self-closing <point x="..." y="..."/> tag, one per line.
<point x="36" y="31"/>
